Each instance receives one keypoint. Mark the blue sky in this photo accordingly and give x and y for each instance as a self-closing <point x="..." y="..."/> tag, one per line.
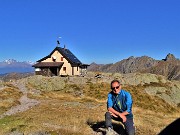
<point x="101" y="31"/>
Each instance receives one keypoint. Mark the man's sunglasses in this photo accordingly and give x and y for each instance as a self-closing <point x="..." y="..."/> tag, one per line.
<point x="113" y="88"/>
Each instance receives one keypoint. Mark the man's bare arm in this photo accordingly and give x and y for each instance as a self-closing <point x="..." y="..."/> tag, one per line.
<point x="118" y="114"/>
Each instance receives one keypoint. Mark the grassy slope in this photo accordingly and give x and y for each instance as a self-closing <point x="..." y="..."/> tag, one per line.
<point x="9" y="97"/>
<point x="68" y="112"/>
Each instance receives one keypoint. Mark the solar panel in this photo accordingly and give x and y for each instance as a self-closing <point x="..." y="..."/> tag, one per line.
<point x="69" y="55"/>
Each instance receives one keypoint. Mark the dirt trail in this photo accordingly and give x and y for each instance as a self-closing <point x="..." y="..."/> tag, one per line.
<point x="25" y="102"/>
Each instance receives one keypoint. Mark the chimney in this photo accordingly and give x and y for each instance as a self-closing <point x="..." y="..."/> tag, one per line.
<point x="64" y="47"/>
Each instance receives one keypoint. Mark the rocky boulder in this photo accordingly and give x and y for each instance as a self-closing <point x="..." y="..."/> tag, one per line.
<point x="46" y="83"/>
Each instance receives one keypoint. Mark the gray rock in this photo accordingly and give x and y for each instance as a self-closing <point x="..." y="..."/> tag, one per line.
<point x="47" y="83"/>
<point x="40" y="133"/>
<point x="15" y="133"/>
<point x="170" y="93"/>
<point x="170" y="57"/>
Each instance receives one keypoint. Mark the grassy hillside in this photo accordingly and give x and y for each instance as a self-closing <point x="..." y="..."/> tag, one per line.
<point x="78" y="108"/>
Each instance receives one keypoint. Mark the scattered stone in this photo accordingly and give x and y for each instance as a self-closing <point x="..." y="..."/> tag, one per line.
<point x="15" y="133"/>
<point x="40" y="133"/>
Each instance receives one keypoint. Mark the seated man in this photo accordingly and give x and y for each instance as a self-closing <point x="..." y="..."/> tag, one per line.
<point x="119" y="105"/>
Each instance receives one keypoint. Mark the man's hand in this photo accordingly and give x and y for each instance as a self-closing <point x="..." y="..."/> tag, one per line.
<point x="118" y="114"/>
<point x="123" y="117"/>
<point x="114" y="115"/>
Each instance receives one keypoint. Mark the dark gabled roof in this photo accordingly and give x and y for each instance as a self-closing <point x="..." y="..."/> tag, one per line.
<point x="48" y="64"/>
<point x="67" y="54"/>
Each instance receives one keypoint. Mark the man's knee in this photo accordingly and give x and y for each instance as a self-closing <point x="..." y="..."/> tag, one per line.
<point x="107" y="115"/>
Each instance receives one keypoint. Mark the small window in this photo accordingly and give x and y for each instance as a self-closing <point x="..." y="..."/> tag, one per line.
<point x="77" y="68"/>
<point x="54" y="58"/>
<point x="64" y="69"/>
<point x="61" y="58"/>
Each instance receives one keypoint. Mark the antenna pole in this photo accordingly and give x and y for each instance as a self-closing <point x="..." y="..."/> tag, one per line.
<point x="58" y="42"/>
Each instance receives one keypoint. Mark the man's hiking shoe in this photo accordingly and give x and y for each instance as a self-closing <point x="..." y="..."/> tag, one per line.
<point x="110" y="131"/>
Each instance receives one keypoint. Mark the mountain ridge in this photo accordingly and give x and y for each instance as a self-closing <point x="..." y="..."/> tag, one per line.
<point x="168" y="67"/>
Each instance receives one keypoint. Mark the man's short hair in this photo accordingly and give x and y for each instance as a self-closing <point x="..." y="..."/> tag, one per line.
<point x="115" y="81"/>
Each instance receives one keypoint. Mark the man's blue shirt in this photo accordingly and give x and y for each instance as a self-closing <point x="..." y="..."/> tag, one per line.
<point x="120" y="102"/>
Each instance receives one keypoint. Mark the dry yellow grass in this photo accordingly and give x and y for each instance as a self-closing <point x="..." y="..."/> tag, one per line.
<point x="151" y="123"/>
<point x="9" y="97"/>
<point x="63" y="112"/>
<point x="65" y="115"/>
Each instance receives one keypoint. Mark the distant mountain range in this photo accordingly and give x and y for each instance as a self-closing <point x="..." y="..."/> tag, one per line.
<point x="169" y="67"/>
<point x="11" y="65"/>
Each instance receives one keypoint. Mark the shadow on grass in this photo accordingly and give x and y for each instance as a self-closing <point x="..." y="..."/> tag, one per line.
<point x="100" y="127"/>
<point x="172" y="129"/>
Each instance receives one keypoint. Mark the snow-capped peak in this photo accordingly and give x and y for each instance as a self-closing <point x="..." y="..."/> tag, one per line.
<point x="10" y="61"/>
